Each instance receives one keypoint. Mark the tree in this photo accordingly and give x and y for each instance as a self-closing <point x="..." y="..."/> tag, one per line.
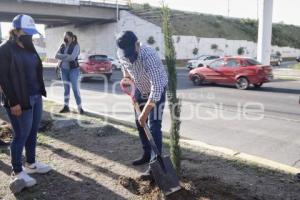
<point x="195" y="51"/>
<point x="174" y="102"/>
<point x="151" y="40"/>
<point x="278" y="53"/>
<point x="214" y="46"/>
<point x="241" y="51"/>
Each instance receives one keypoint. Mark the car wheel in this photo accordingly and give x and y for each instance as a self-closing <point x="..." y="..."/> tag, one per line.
<point x="58" y="73"/>
<point x="258" y="85"/>
<point x="197" y="80"/>
<point x="242" y="83"/>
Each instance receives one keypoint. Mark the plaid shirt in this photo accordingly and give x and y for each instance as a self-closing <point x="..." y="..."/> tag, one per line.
<point x="148" y="73"/>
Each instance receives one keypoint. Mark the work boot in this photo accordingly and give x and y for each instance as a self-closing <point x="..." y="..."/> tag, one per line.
<point x="65" y="109"/>
<point x="141" y="161"/>
<point x="146" y="176"/>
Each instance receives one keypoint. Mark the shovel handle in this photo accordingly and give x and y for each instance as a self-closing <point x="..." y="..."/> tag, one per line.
<point x="147" y="130"/>
<point x="128" y="88"/>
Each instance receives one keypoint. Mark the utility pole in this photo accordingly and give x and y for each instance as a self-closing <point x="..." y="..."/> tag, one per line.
<point x="257" y="9"/>
<point x="117" y="8"/>
<point x="228" y="11"/>
<point x="264" y="31"/>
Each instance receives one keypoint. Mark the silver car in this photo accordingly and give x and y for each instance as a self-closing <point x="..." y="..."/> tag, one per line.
<point x="200" y="61"/>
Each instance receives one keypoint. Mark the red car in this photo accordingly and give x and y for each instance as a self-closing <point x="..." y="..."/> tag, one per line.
<point x="93" y="66"/>
<point x="238" y="71"/>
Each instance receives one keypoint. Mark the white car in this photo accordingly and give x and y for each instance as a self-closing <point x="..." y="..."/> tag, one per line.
<point x="200" y="61"/>
<point x="116" y="64"/>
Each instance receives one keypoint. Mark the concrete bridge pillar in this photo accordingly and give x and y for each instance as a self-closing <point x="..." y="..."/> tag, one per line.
<point x="265" y="31"/>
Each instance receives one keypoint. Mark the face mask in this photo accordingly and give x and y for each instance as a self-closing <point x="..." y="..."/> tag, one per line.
<point x="26" y="40"/>
<point x="66" y="40"/>
<point x="131" y="54"/>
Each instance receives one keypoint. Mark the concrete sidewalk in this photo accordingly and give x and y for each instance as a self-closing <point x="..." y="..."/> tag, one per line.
<point x="286" y="73"/>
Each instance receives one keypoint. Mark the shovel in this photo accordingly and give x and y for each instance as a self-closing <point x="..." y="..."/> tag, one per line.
<point x="161" y="167"/>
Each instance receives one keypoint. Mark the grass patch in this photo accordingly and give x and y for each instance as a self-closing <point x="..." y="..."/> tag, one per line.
<point x="213" y="26"/>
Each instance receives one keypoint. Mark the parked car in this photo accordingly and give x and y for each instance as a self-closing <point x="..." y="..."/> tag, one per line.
<point x="116" y="64"/>
<point x="238" y="71"/>
<point x="92" y="66"/>
<point x="276" y="60"/>
<point x="298" y="59"/>
<point x="200" y="61"/>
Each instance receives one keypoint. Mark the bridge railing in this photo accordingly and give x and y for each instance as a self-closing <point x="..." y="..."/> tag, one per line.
<point x="120" y="2"/>
<point x="77" y="2"/>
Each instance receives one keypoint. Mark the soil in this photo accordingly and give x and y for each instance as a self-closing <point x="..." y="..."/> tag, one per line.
<point x="92" y="160"/>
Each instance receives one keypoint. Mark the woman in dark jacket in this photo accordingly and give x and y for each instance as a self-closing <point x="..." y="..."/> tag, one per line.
<point x="21" y="79"/>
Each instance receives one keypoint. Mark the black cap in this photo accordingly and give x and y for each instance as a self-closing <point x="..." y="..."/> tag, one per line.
<point x="127" y="40"/>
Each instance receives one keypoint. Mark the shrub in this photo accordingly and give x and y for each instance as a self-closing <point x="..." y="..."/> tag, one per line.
<point x="146" y="6"/>
<point x="214" y="46"/>
<point x="195" y="51"/>
<point x="241" y="51"/>
<point x="151" y="40"/>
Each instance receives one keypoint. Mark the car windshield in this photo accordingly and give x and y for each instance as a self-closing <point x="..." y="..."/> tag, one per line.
<point x="98" y="58"/>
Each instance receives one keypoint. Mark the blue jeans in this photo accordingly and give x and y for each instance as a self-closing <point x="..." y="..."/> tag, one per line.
<point x="71" y="77"/>
<point x="154" y="123"/>
<point x="25" y="132"/>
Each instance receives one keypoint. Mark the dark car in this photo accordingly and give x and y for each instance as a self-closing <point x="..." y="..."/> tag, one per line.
<point x="238" y="71"/>
<point x="93" y="66"/>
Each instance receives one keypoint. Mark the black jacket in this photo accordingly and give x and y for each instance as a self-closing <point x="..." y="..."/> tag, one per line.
<point x="12" y="77"/>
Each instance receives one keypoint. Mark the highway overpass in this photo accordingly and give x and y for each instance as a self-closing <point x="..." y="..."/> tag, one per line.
<point x="62" y="12"/>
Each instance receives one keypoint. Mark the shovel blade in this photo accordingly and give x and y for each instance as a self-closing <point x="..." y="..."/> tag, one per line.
<point x="165" y="175"/>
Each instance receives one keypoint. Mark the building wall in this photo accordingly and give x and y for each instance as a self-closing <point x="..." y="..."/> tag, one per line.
<point x="184" y="46"/>
<point x="101" y="39"/>
<point x="143" y="29"/>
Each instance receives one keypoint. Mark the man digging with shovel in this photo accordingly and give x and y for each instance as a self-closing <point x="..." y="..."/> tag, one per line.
<point x="142" y="65"/>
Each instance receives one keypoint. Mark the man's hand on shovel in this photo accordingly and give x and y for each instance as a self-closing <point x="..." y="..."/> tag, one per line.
<point x="128" y="87"/>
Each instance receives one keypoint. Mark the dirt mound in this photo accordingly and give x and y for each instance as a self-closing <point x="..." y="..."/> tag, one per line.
<point x="5" y="130"/>
<point x="107" y="130"/>
<point x="149" y="191"/>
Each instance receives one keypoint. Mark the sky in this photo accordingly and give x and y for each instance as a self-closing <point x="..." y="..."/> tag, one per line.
<point x="285" y="11"/>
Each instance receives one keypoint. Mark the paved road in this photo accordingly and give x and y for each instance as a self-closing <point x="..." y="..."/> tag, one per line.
<point x="263" y="122"/>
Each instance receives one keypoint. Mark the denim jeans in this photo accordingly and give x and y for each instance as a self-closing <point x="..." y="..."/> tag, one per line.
<point x="154" y="123"/>
<point x="25" y="128"/>
<point x="71" y="77"/>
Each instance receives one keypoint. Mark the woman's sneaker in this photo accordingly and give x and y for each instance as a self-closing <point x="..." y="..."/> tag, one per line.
<point x="20" y="181"/>
<point x="37" y="167"/>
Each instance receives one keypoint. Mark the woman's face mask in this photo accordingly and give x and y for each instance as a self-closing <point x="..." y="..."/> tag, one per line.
<point x="26" y="40"/>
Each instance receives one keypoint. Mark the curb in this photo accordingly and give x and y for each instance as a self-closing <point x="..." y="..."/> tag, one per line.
<point x="245" y="157"/>
<point x="223" y="150"/>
